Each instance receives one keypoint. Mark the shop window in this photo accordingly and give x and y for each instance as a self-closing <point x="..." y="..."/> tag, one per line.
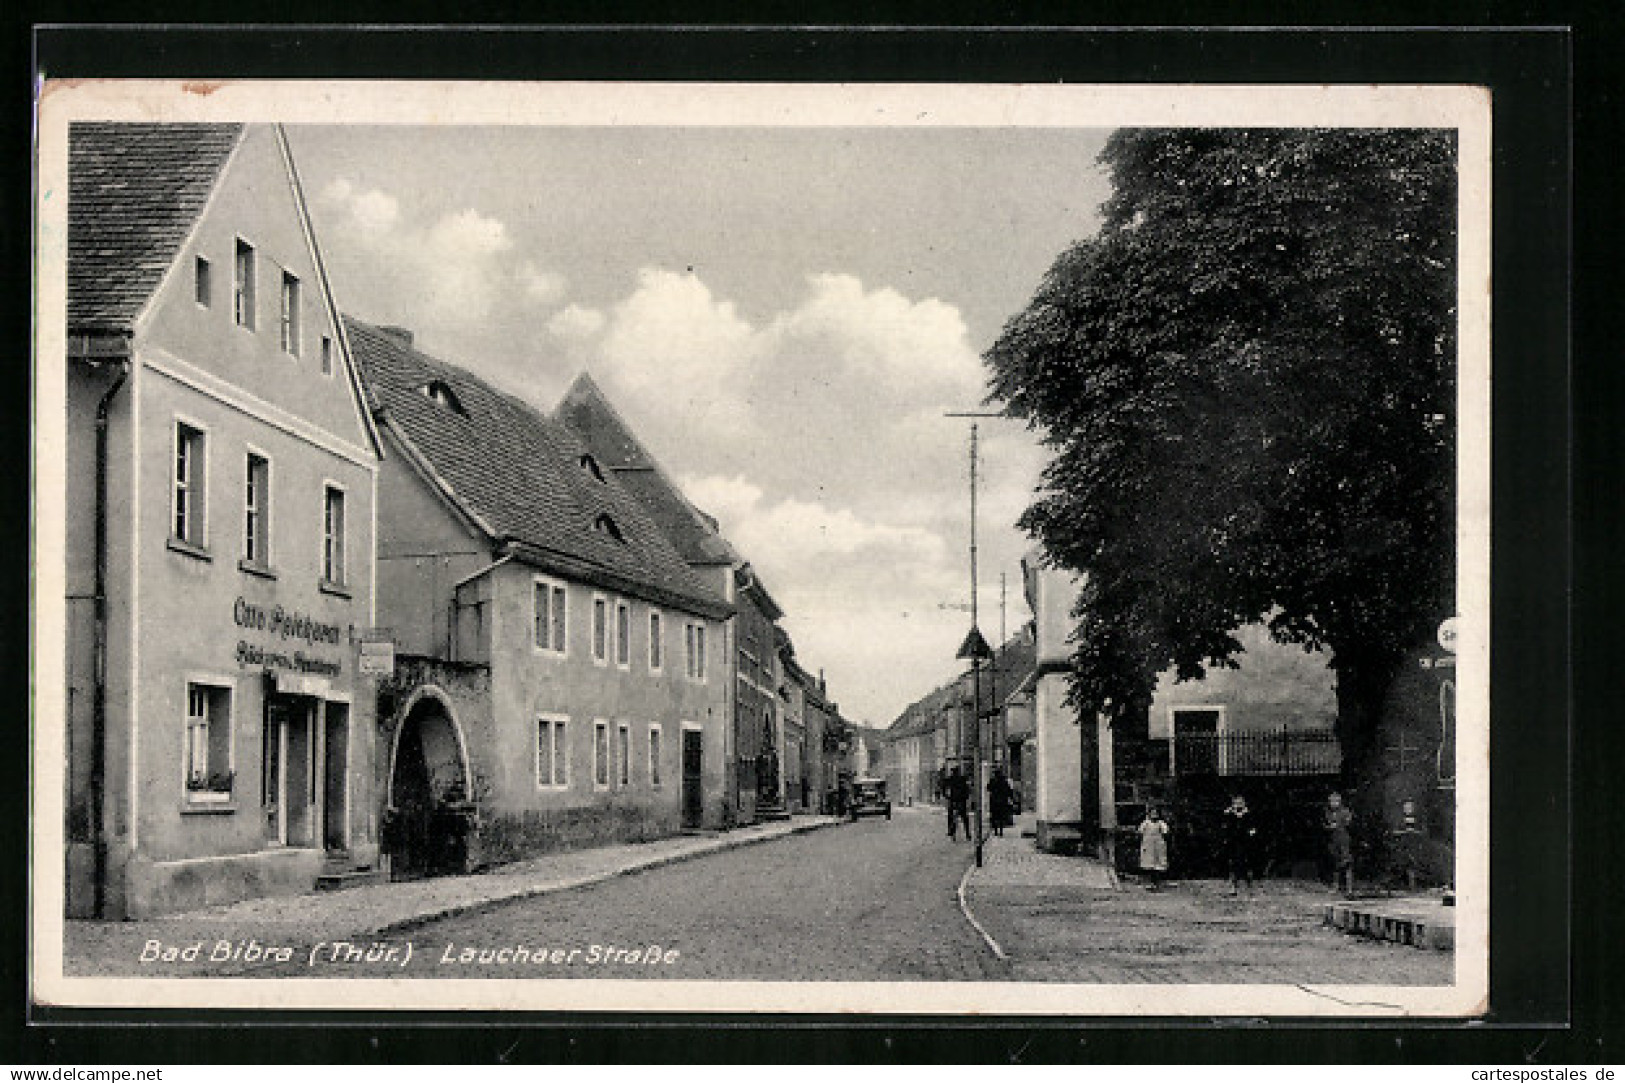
<point x="208" y="743"/>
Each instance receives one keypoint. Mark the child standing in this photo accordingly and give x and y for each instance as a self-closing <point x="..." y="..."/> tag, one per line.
<point x="1339" y="843"/>
<point x="1239" y="834"/>
<point x="1154" y="847"/>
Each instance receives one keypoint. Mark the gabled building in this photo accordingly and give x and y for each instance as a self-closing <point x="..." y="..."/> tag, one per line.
<point x="560" y="676"/>
<point x="220" y="474"/>
<point x="755" y="750"/>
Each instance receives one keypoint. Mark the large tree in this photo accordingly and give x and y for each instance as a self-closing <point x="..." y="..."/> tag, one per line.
<point x="1247" y="382"/>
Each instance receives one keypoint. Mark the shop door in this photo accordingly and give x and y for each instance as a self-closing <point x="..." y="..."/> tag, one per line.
<point x="693" y="762"/>
<point x="273" y="750"/>
<point x="335" y="775"/>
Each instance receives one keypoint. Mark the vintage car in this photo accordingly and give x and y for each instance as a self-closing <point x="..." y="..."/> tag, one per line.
<point x="869" y="798"/>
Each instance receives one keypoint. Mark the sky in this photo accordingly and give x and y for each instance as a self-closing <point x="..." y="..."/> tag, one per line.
<point x="783" y="316"/>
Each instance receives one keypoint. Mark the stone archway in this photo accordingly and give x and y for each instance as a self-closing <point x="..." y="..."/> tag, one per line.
<point x="429" y="791"/>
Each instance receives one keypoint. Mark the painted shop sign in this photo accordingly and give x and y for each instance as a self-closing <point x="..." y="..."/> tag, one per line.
<point x="285" y="624"/>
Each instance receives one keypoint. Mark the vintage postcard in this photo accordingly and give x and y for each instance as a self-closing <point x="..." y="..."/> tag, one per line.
<point x="927" y="549"/>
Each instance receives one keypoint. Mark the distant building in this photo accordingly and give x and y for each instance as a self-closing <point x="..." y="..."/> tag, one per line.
<point x="220" y="477"/>
<point x="559" y="678"/>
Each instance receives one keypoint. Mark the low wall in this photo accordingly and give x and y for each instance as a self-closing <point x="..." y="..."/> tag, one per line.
<point x="503" y="837"/>
<point x="166" y="887"/>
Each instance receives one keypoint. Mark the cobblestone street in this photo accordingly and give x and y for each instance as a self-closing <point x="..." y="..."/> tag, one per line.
<point x="870" y="901"/>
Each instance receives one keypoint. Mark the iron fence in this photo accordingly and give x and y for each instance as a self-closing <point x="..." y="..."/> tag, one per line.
<point x="1269" y="753"/>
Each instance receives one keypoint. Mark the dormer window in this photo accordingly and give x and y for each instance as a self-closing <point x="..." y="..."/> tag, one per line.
<point x="440" y="393"/>
<point x="605" y="525"/>
<point x="590" y="465"/>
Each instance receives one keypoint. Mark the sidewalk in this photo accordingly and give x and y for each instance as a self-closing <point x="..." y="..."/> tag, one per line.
<point x="378" y="910"/>
<point x="1068" y="919"/>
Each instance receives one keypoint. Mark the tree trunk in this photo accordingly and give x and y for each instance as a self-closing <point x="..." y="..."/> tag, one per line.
<point x="1363" y="682"/>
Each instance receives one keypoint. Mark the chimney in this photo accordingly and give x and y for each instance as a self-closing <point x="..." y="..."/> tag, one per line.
<point x="401" y="334"/>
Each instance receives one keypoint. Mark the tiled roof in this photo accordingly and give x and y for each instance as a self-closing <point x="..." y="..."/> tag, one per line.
<point x="134" y="191"/>
<point x="519" y="473"/>
<point x="587" y="411"/>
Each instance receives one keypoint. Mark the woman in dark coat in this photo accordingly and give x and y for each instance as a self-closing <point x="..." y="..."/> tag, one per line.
<point x="1000" y="801"/>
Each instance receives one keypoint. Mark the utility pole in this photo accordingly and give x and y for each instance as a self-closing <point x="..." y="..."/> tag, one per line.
<point x="975" y="646"/>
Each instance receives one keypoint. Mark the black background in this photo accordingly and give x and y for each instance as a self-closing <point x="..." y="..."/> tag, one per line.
<point x="1554" y="751"/>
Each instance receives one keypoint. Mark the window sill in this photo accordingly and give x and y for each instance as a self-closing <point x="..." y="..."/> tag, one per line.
<point x="254" y="567"/>
<point x="339" y="590"/>
<point x="190" y="549"/>
<point x="224" y="807"/>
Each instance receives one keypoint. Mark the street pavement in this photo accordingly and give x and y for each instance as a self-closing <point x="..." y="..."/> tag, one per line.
<point x="1069" y="920"/>
<point x="877" y="900"/>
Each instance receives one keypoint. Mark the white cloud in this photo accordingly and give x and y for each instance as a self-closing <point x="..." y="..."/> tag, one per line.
<point x="882" y="337"/>
<point x="447" y="276"/>
<point x="542" y="286"/>
<point x="576" y="322"/>
<point x="672" y="331"/>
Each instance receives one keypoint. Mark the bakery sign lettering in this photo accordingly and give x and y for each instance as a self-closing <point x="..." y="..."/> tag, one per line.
<point x="286" y="625"/>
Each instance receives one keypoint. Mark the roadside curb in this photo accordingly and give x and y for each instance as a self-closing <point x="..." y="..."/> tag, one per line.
<point x="964" y="908"/>
<point x="629" y="868"/>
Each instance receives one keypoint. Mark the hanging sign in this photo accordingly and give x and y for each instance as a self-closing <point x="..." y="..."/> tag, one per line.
<point x="377" y="658"/>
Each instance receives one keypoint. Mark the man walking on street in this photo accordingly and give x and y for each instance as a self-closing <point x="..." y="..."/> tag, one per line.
<point x="957" y="791"/>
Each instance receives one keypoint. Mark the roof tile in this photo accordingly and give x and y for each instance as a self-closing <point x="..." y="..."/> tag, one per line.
<point x="520" y="472"/>
<point x="134" y="191"/>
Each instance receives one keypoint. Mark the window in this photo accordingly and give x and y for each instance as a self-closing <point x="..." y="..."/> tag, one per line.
<point x="600" y="630"/>
<point x="600" y="755"/>
<point x="208" y="743"/>
<point x="333" y="535"/>
<point x="242" y="291"/>
<point x="694" y="645"/>
<point x="202" y="288"/>
<point x="290" y="314"/>
<point x="550" y="752"/>
<point x="623" y="755"/>
<point x="654" y="754"/>
<point x="623" y="635"/>
<point x="327" y="356"/>
<point x="590" y="465"/>
<point x="606" y="525"/>
<point x="257" y="511"/>
<point x="548" y="616"/>
<point x="656" y="646"/>
<point x="440" y="393"/>
<point x="190" y="467"/>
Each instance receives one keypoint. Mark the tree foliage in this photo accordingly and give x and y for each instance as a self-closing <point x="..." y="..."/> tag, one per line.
<point x="1247" y="382"/>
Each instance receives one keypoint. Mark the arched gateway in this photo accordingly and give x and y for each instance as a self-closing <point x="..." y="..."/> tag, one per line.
<point x="429" y="805"/>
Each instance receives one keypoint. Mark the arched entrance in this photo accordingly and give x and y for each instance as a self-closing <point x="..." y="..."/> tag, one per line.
<point x="430" y="811"/>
